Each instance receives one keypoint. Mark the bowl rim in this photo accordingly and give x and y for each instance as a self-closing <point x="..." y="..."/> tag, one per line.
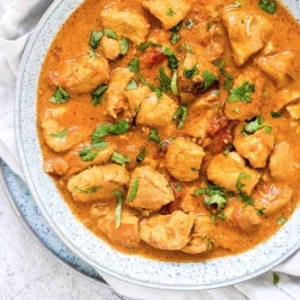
<point x="209" y="274"/>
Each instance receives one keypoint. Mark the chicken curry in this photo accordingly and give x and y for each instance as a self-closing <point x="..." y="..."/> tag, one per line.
<point x="171" y="127"/>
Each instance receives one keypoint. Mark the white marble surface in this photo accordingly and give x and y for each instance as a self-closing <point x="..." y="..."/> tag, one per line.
<point x="28" y="271"/>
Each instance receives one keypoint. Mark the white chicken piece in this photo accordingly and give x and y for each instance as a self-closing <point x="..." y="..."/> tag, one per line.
<point x="280" y="67"/>
<point x="83" y="74"/>
<point x="282" y="163"/>
<point x="202" y="230"/>
<point x="240" y="109"/>
<point x="241" y="215"/>
<point x="184" y="159"/>
<point x="167" y="232"/>
<point x="169" y="12"/>
<point x="286" y="97"/>
<point x="58" y="137"/>
<point x="136" y="96"/>
<point x="248" y="33"/>
<point x="115" y="100"/>
<point x="225" y="170"/>
<point x="255" y="147"/>
<point x="78" y="162"/>
<point x="271" y="198"/>
<point x="57" y="166"/>
<point x="156" y="112"/>
<point x="97" y="183"/>
<point x="294" y="111"/>
<point x="201" y="110"/>
<point x="192" y="72"/>
<point x="153" y="189"/>
<point x="110" y="48"/>
<point x="127" y="235"/>
<point x="129" y="24"/>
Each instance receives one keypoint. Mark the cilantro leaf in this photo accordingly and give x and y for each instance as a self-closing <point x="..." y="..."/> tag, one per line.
<point x="88" y="154"/>
<point x="110" y="34"/>
<point x="124" y="45"/>
<point x="60" y="135"/>
<point x="275" y="114"/>
<point x="189" y="23"/>
<point x="173" y="61"/>
<point x="98" y="93"/>
<point x="120" y="127"/>
<point x="276" y="278"/>
<point x="281" y="221"/>
<point x="143" y="47"/>
<point x="153" y="136"/>
<point x="164" y="80"/>
<point x="181" y="113"/>
<point x="141" y="155"/>
<point x="132" y="85"/>
<point x="133" y="191"/>
<point x="268" y="6"/>
<point x="95" y="37"/>
<point x="254" y="125"/>
<point x="242" y="93"/>
<point x="216" y="199"/>
<point x="60" y="96"/>
<point x="174" y="30"/>
<point x="91" y="190"/>
<point x="170" y="12"/>
<point x="120" y="159"/>
<point x="228" y="78"/>
<point x="239" y="185"/>
<point x="118" y="210"/>
<point x="209" y="79"/>
<point x="174" y="88"/>
<point x="190" y="73"/>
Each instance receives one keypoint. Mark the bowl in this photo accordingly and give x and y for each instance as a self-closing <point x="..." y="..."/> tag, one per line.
<point x="134" y="269"/>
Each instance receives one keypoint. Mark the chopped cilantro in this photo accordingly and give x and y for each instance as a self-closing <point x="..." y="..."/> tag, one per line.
<point x="228" y="78"/>
<point x="276" y="278"/>
<point x="254" y="125"/>
<point x="98" y="93"/>
<point x="174" y="88"/>
<point x="133" y="191"/>
<point x="227" y="149"/>
<point x="181" y="113"/>
<point x="110" y="34"/>
<point x="141" y="155"/>
<point x="242" y="93"/>
<point x="195" y="169"/>
<point x="190" y="73"/>
<point x="91" y="190"/>
<point x="92" y="53"/>
<point x="189" y="23"/>
<point x="173" y="61"/>
<point x="268" y="6"/>
<point x="222" y="216"/>
<point x="268" y="129"/>
<point x="188" y="48"/>
<point x="153" y="136"/>
<point x="88" y="154"/>
<point x="132" y="85"/>
<point x="60" y="96"/>
<point x="165" y="81"/>
<point x="95" y="37"/>
<point x="119" y="159"/>
<point x="60" y="135"/>
<point x="174" y="30"/>
<point x="281" y="221"/>
<point x="275" y="114"/>
<point x="170" y="12"/>
<point x="124" y="45"/>
<point x="178" y="187"/>
<point x="143" y="47"/>
<point x="118" y="211"/>
<point x="239" y="185"/>
<point x="209" y="79"/>
<point x="260" y="211"/>
<point x="120" y="127"/>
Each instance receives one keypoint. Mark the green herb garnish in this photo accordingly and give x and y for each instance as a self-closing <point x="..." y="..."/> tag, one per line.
<point x="275" y="114"/>
<point x="190" y="73"/>
<point x="110" y="34"/>
<point x="91" y="190"/>
<point x="281" y="221"/>
<point x="60" y="135"/>
<point x="124" y="45"/>
<point x="153" y="136"/>
<point x="132" y="85"/>
<point x="120" y="159"/>
<point x="95" y="37"/>
<point x="98" y="93"/>
<point x="134" y="189"/>
<point x="118" y="211"/>
<point x="141" y="155"/>
<point x="209" y="79"/>
<point x="180" y="113"/>
<point x="60" y="96"/>
<point x="242" y="93"/>
<point x="170" y="12"/>
<point x="268" y="6"/>
<point x="88" y="154"/>
<point x="276" y="278"/>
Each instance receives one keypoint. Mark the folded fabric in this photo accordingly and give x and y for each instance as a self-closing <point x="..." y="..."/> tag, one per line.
<point x="16" y="23"/>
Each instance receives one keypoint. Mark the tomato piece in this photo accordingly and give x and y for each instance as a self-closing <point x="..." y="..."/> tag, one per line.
<point x="153" y="56"/>
<point x="216" y="125"/>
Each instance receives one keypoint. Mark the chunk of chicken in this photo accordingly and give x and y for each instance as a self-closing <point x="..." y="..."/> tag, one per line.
<point x="272" y="198"/>
<point x="294" y="111"/>
<point x="78" y="164"/>
<point x="248" y="32"/>
<point x="58" y="137"/>
<point x="241" y="215"/>
<point x="57" y="166"/>
<point x="286" y="97"/>
<point x="197" y="61"/>
<point x="184" y="159"/>
<point x="156" y="112"/>
<point x="136" y="96"/>
<point x="191" y="203"/>
<point x="116" y="101"/>
<point x="225" y="170"/>
<point x="282" y="164"/>
<point x="167" y="232"/>
<point x="153" y="191"/>
<point x="127" y="234"/>
<point x="169" y="12"/>
<point x="246" y="110"/>
<point x="129" y="24"/>
<point x="202" y="230"/>
<point x="110" y="48"/>
<point x="280" y="67"/>
<point x="98" y="182"/>
<point x="256" y="147"/>
<point x="83" y="74"/>
<point x="201" y="110"/>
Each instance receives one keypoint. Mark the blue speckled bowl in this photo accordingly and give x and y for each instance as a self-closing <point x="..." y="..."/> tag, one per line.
<point x="134" y="269"/>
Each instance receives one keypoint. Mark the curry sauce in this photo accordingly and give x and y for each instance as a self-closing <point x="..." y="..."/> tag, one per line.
<point x="171" y="127"/>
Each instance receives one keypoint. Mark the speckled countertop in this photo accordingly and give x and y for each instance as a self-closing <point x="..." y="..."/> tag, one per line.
<point x="28" y="271"/>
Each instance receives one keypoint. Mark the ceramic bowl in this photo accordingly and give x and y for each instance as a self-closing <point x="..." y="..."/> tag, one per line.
<point x="134" y="269"/>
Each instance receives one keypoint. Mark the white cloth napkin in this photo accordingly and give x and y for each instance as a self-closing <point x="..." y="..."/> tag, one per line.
<point x="17" y="20"/>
